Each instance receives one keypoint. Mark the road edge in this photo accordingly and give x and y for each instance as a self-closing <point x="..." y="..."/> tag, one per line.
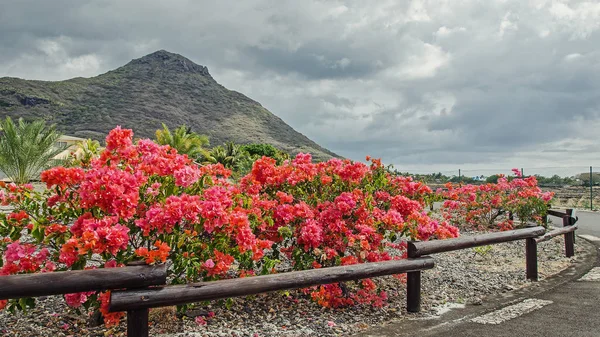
<point x="409" y="325"/>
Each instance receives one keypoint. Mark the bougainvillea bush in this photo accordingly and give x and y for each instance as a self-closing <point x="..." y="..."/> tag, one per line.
<point x="145" y="201"/>
<point x="488" y="206"/>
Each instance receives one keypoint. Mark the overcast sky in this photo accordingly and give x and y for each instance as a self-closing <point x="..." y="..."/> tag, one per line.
<point x="425" y="85"/>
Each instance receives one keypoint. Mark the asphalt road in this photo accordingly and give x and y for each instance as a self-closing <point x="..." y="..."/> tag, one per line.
<point x="588" y="223"/>
<point x="564" y="306"/>
<point x="574" y="309"/>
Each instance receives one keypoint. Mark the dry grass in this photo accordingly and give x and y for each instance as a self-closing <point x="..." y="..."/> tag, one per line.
<point x="165" y="319"/>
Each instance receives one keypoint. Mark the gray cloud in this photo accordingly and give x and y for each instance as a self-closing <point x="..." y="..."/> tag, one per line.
<point x="425" y="84"/>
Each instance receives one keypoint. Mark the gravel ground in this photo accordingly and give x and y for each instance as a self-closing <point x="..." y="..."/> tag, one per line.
<point x="460" y="277"/>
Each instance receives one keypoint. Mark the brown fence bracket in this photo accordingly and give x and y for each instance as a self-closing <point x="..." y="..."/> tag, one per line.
<point x="413" y="291"/>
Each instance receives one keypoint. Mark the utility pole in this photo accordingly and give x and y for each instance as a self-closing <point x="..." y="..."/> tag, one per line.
<point x="522" y="175"/>
<point x="459" y="176"/>
<point x="591" y="187"/>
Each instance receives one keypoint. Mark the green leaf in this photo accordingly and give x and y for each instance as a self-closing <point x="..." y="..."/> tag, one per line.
<point x="37" y="233"/>
<point x="26" y="148"/>
<point x="285" y="231"/>
<point x="15" y="233"/>
<point x="26" y="302"/>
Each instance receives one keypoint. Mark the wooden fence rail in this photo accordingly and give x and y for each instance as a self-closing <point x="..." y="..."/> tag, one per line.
<point x="556" y="232"/>
<point x="416" y="249"/>
<point x="66" y="282"/>
<point x="214" y="290"/>
<point x="137" y="302"/>
<point x="556" y="213"/>
<point x="420" y="248"/>
<point x="135" y="289"/>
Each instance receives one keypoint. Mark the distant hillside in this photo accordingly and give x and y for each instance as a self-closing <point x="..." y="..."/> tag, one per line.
<point x="160" y="87"/>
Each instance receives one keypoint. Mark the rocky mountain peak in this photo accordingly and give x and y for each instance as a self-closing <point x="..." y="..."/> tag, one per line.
<point x="161" y="87"/>
<point x="168" y="61"/>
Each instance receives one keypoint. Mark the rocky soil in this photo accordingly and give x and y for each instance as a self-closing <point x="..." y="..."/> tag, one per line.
<point x="460" y="277"/>
<point x="574" y="196"/>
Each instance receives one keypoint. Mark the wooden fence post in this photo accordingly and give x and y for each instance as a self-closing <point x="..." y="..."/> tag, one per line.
<point x="571" y="213"/>
<point x="413" y="286"/>
<point x="531" y="262"/>
<point x="137" y="323"/>
<point x="137" y="319"/>
<point x="569" y="237"/>
<point x="413" y="291"/>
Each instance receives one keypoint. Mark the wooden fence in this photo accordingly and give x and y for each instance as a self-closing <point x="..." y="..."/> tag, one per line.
<point x="136" y="289"/>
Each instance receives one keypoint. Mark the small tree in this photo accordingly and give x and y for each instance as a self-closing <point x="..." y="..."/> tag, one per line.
<point x="184" y="140"/>
<point x="258" y="150"/>
<point x="86" y="151"/>
<point x="585" y="178"/>
<point x="26" y="148"/>
<point x="230" y="155"/>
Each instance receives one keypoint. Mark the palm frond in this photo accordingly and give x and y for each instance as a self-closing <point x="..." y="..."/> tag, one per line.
<point x="183" y="140"/>
<point x="26" y="148"/>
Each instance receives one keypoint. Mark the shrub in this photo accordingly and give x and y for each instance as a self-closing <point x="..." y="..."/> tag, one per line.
<point x="488" y="206"/>
<point x="146" y="201"/>
<point x="26" y="148"/>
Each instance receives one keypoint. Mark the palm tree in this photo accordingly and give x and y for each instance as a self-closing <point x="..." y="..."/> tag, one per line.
<point x="183" y="140"/>
<point x="217" y="155"/>
<point x="86" y="151"/>
<point x="230" y="155"/>
<point x="83" y="154"/>
<point x="26" y="148"/>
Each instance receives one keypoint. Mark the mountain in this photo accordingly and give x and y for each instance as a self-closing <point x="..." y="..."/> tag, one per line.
<point x="159" y="87"/>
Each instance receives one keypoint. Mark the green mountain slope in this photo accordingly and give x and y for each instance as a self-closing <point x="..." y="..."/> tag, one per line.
<point x="160" y="87"/>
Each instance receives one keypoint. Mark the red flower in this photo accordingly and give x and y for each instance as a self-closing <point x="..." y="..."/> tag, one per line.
<point x="63" y="177"/>
<point x="110" y="318"/>
<point x="152" y="256"/>
<point x="119" y="139"/>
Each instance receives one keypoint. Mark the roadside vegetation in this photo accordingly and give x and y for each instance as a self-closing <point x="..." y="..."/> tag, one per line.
<point x="234" y="210"/>
<point x="26" y="148"/>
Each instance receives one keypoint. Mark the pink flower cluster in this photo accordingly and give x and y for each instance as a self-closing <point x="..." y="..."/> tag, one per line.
<point x="489" y="205"/>
<point x="27" y="258"/>
<point x="339" y="212"/>
<point x="145" y="201"/>
<point x="75" y="300"/>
